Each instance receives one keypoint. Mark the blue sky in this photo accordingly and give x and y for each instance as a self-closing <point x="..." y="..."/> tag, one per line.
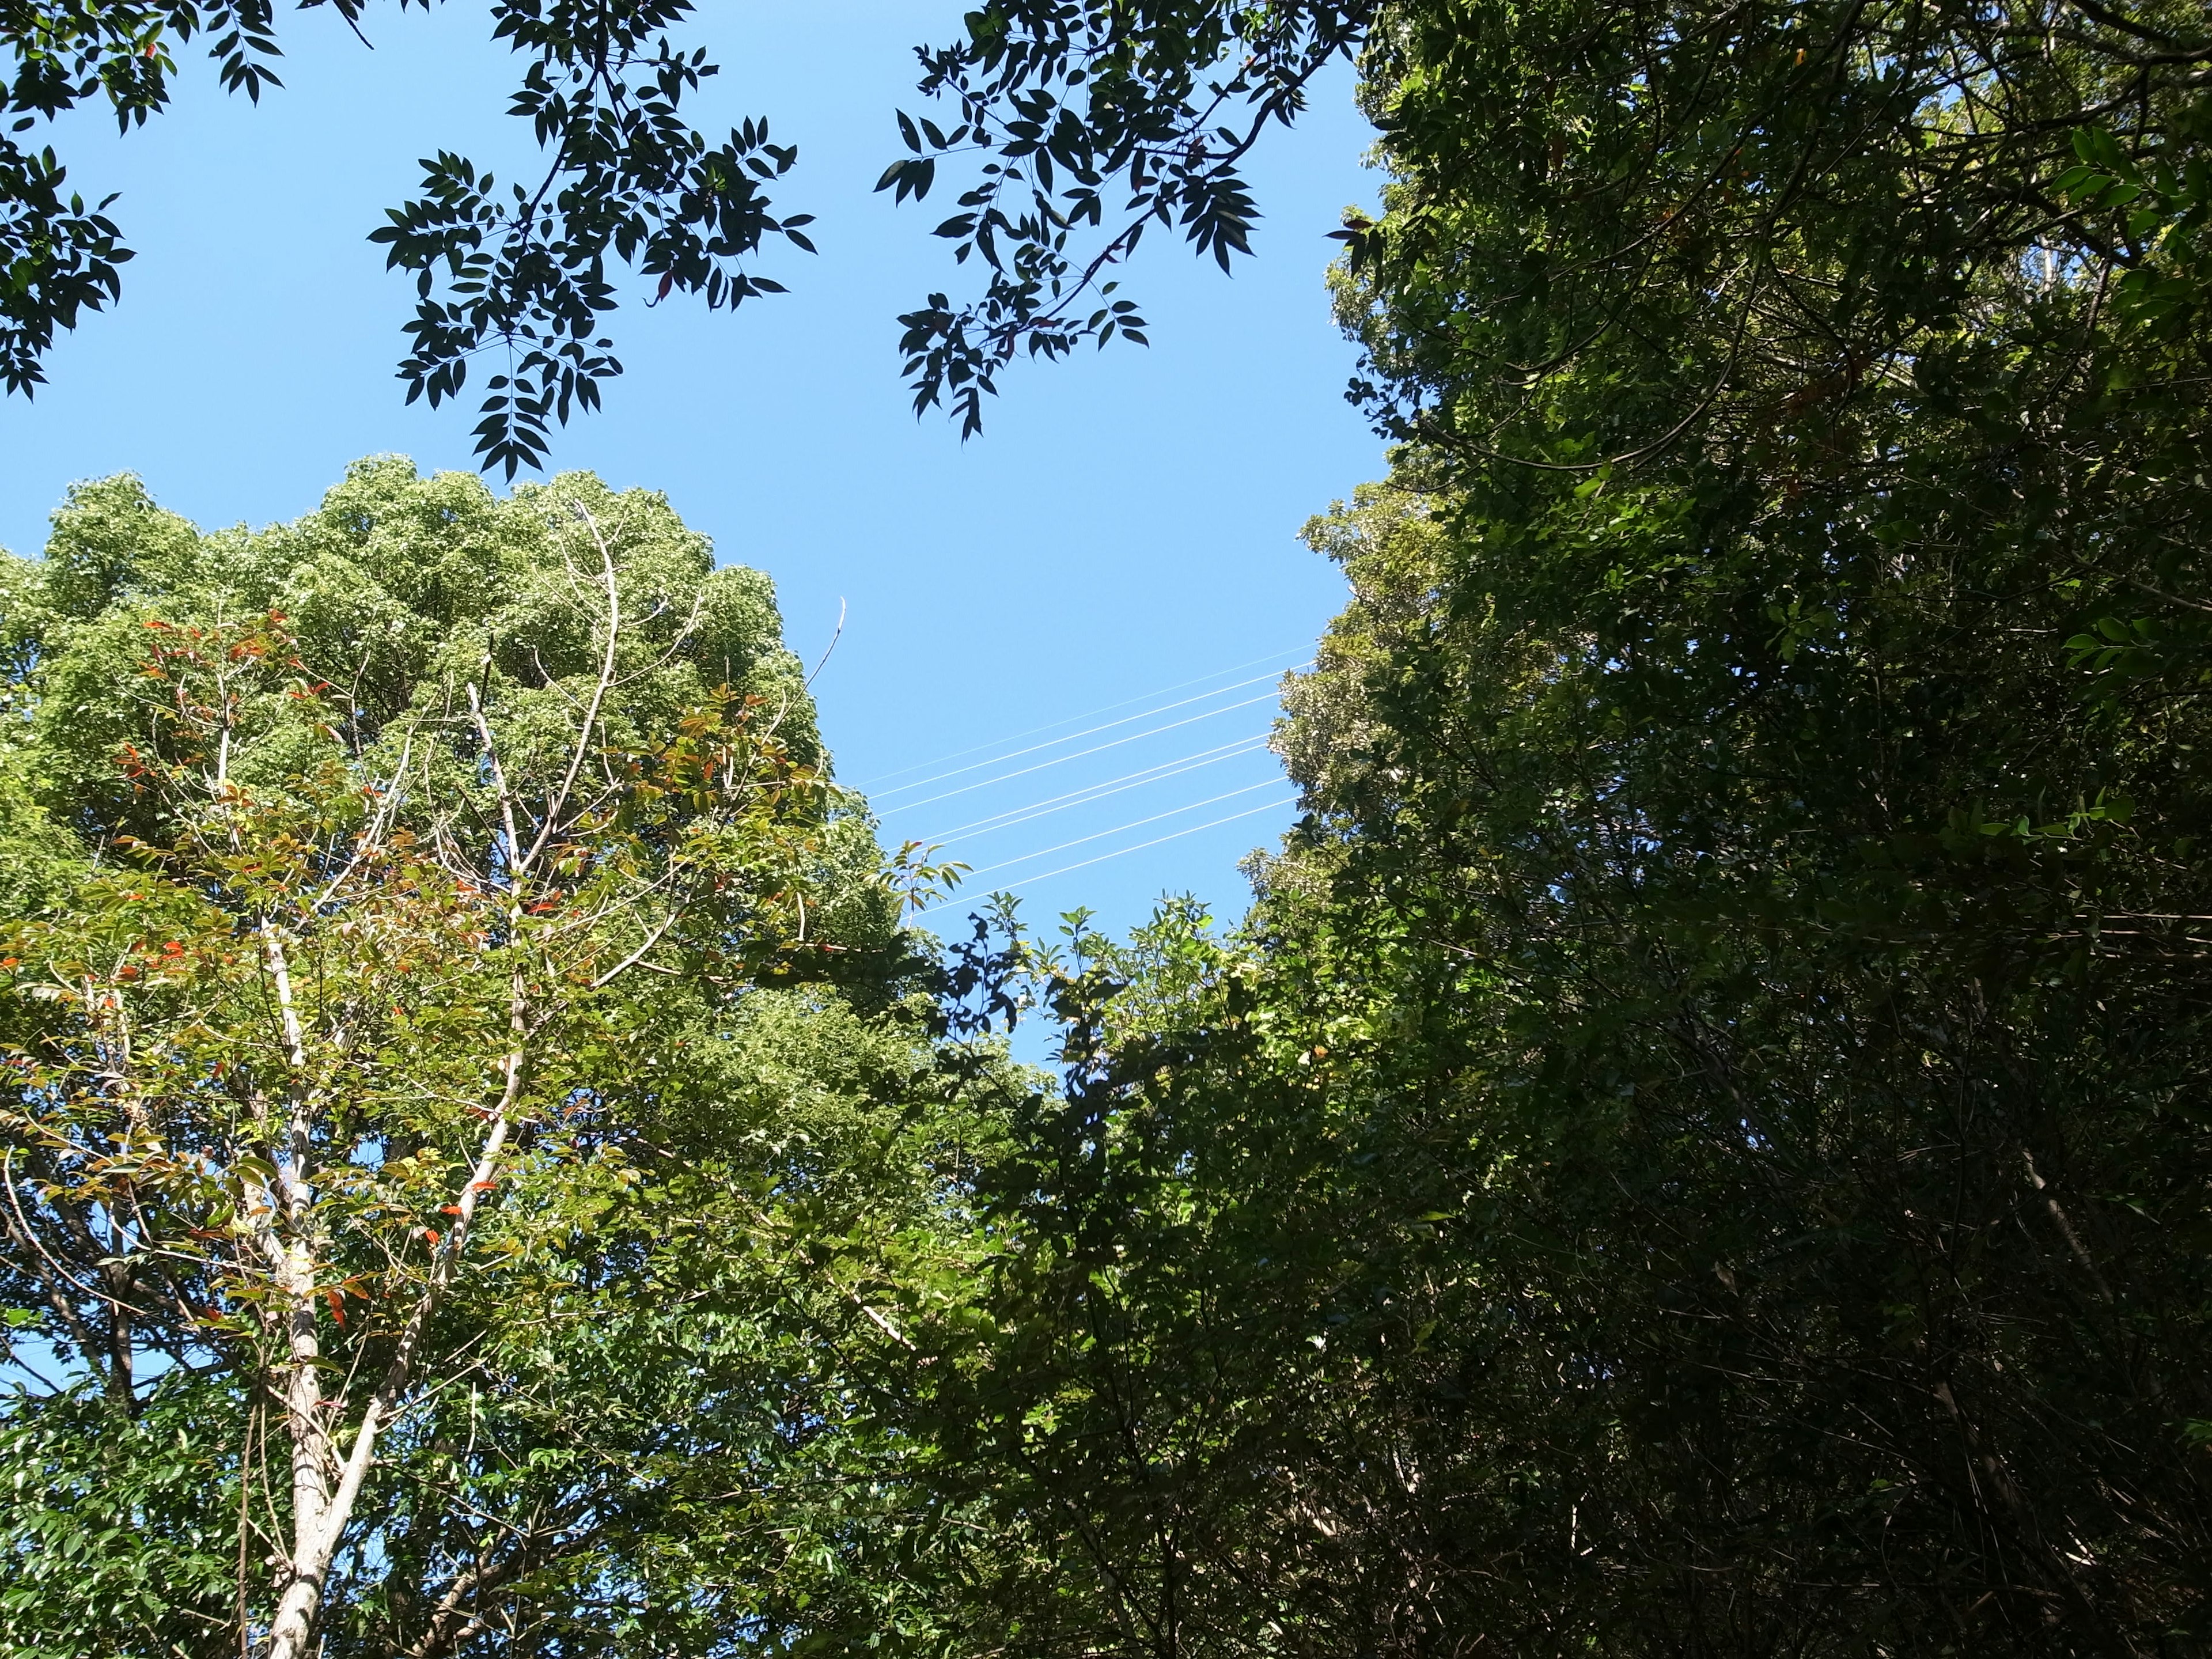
<point x="1123" y="537"/>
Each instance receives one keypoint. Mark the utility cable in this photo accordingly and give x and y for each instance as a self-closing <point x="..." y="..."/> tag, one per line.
<point x="1095" y="749"/>
<point x="1095" y="792"/>
<point x="1104" y="708"/>
<point x="1065" y="869"/>
<point x="1144" y="715"/>
<point x="1138" y="823"/>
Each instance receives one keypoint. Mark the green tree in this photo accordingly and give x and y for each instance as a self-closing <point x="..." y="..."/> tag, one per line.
<point x="455" y="1025"/>
<point x="1697" y="1150"/>
<point x="1677" y="1163"/>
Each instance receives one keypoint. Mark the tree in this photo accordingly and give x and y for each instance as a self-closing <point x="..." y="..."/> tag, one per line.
<point x="1694" y="1150"/>
<point x="1661" y="1171"/>
<point x="458" y="1020"/>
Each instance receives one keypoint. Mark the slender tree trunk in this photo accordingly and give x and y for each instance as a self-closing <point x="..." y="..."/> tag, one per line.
<point x="306" y="1422"/>
<point x="316" y="1544"/>
<point x="122" y="1374"/>
<point x="311" y="1459"/>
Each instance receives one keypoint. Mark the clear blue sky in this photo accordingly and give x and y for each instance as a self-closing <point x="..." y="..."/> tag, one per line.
<point x="1127" y="524"/>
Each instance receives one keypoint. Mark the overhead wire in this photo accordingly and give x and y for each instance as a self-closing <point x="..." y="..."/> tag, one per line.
<point x="1098" y="792"/>
<point x="1103" y="708"/>
<point x="1035" y="748"/>
<point x="1090" y="793"/>
<point x="1137" y="824"/>
<point x="1118" y="851"/>
<point x="1095" y="749"/>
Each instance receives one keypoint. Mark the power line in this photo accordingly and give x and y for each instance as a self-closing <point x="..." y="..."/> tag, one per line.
<point x="1144" y="714"/>
<point x="1104" y="708"/>
<point x="1095" y="749"/>
<point x="1138" y="823"/>
<point x="1097" y="792"/>
<point x="1065" y="869"/>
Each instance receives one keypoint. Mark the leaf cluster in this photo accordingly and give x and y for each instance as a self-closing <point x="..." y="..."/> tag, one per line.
<point x="1090" y="124"/>
<point x="522" y="272"/>
<point x="1696" y="1149"/>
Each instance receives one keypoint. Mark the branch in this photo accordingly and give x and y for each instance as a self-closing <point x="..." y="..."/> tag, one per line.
<point x="631" y="960"/>
<point x="559" y="799"/>
<point x="79" y="1332"/>
<point x="834" y="636"/>
<point x="498" y="780"/>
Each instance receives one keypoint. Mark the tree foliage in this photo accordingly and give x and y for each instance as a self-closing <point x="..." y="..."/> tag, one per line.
<point x="1069" y="104"/>
<point x="521" y="271"/>
<point x="1697" y="1148"/>
<point x="457" y="1023"/>
<point x="1091" y="124"/>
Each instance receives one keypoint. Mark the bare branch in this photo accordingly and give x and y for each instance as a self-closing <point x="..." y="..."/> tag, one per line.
<point x="558" y="802"/>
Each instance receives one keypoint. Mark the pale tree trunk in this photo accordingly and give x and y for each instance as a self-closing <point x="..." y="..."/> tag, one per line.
<point x="292" y="1632"/>
<point x="322" y="1514"/>
<point x="310" y="1452"/>
<point x="293" y="1258"/>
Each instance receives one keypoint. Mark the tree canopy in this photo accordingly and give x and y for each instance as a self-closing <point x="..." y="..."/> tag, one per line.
<point x="453" y="1021"/>
<point x="526" y="265"/>
<point x="1699" y="1148"/>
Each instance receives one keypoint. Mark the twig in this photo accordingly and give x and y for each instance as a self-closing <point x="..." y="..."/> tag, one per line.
<point x="838" y="634"/>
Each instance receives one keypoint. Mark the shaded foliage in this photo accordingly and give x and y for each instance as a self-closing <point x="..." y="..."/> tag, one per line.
<point x="1698" y="1149"/>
